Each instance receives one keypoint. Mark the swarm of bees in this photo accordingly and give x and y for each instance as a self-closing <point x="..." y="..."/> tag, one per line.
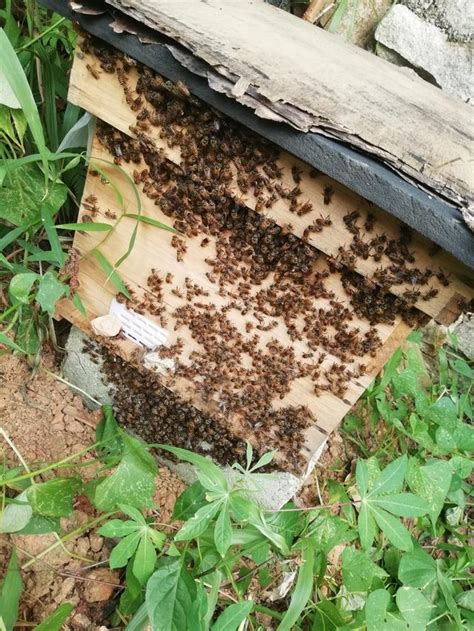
<point x="263" y="271"/>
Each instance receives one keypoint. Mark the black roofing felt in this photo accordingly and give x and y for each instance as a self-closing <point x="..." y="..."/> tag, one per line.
<point x="433" y="217"/>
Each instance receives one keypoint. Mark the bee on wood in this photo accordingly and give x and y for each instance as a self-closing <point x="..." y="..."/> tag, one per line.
<point x="93" y="71"/>
<point x="328" y="194"/>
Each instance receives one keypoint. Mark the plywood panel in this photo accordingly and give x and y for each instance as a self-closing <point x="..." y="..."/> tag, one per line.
<point x="105" y="98"/>
<point x="153" y="249"/>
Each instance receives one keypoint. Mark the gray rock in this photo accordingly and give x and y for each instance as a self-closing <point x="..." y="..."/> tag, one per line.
<point x="427" y="47"/>
<point x="80" y="371"/>
<point x="454" y="17"/>
<point x="463" y="329"/>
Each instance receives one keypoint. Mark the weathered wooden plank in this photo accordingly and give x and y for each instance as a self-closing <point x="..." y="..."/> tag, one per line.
<point x="105" y="98"/>
<point x="337" y="89"/>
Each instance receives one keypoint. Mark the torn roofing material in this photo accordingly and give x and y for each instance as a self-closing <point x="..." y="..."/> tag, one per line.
<point x="436" y="216"/>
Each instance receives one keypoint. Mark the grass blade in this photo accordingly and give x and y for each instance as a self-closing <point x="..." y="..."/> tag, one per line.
<point x="111" y="273"/>
<point x="152" y="222"/>
<point x="56" y="620"/>
<point x="77" y="302"/>
<point x="50" y="228"/>
<point x="14" y="74"/>
<point x="11" y="592"/>
<point x="302" y="592"/>
<point x="86" y="227"/>
<point x="6" y="341"/>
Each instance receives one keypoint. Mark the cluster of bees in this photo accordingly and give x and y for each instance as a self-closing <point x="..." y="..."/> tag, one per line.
<point x="273" y="279"/>
<point x="157" y="415"/>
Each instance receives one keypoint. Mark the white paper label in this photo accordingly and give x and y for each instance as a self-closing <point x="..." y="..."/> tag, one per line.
<point x="138" y="328"/>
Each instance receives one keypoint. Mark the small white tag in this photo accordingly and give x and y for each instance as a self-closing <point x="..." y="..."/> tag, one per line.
<point x="138" y="328"/>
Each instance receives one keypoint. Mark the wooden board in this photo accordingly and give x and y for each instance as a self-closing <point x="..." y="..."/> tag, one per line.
<point x="285" y="67"/>
<point x="105" y="98"/>
<point x="153" y="249"/>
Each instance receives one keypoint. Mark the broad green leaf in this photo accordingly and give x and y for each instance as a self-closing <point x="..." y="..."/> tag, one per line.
<point x="286" y="523"/>
<point x="362" y="477"/>
<point x="376" y="607"/>
<point x="366" y="526"/>
<point x="408" y="382"/>
<point x="10" y="594"/>
<point x="392" y="477"/>
<point x="109" y="435"/>
<point x="6" y="126"/>
<point x="56" y="620"/>
<point x="157" y="538"/>
<point x="402" y="504"/>
<point x="223" y="531"/>
<point x="168" y="599"/>
<point x="133" y="513"/>
<point x="145" y="558"/>
<point x="257" y="519"/>
<point x="86" y="226"/>
<point x="358" y="570"/>
<point x="210" y="476"/>
<point x="16" y="515"/>
<point x="417" y="569"/>
<point x="463" y="368"/>
<point x="414" y="607"/>
<point x="39" y="525"/>
<point x="199" y="522"/>
<point x="326" y="617"/>
<point x="393" y="529"/>
<point x="23" y="193"/>
<point x="133" y="481"/>
<point x="443" y="412"/>
<point x="111" y="273"/>
<point x="50" y="290"/>
<point x="118" y="528"/>
<point x="190" y="500"/>
<point x="53" y="498"/>
<point x="303" y="590"/>
<point x="20" y="286"/>
<point x="27" y="332"/>
<point x="233" y="616"/>
<point x="431" y="482"/>
<point x="124" y="550"/>
<point x="466" y="599"/>
<point x="328" y="531"/>
<point x="461" y="466"/>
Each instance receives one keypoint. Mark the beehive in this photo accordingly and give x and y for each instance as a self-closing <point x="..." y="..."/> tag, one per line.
<point x="283" y="293"/>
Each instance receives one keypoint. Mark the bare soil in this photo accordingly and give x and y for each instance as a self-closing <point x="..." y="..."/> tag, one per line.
<point x="46" y="422"/>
